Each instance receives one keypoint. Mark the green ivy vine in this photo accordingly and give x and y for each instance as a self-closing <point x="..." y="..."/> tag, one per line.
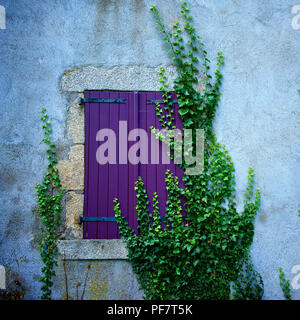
<point x="49" y="197"/>
<point x="285" y="285"/>
<point x="206" y="257"/>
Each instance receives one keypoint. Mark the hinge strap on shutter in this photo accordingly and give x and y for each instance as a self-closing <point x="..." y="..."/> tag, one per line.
<point x="107" y="219"/>
<point x="161" y="101"/>
<point x="96" y="100"/>
<point x="96" y="219"/>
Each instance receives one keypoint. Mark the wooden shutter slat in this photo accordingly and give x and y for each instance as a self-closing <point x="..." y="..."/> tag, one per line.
<point x="113" y="169"/>
<point x="86" y="164"/>
<point x="104" y="113"/>
<point x="93" y="168"/>
<point x="151" y="179"/>
<point x="135" y="169"/>
<point x="124" y="180"/>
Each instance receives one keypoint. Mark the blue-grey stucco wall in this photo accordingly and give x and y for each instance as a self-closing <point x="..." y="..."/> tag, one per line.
<point x="258" y="117"/>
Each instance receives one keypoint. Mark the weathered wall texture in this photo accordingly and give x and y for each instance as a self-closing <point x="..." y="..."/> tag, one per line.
<point x="47" y="53"/>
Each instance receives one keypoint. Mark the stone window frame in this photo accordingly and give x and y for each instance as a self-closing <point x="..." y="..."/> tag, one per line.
<point x="76" y="81"/>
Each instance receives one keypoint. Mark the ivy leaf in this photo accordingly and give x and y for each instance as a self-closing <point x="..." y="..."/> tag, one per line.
<point x="183" y="111"/>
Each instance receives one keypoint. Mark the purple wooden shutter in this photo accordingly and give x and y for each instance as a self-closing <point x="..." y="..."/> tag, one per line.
<point x="105" y="182"/>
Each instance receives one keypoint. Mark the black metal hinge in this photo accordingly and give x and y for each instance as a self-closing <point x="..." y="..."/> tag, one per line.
<point x="96" y="100"/>
<point x="96" y="219"/>
<point x="107" y="219"/>
<point x="161" y="101"/>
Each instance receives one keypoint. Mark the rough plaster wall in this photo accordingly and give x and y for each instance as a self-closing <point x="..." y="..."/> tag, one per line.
<point x="258" y="118"/>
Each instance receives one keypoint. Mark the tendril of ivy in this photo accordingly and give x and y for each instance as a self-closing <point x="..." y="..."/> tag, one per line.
<point x="49" y="197"/>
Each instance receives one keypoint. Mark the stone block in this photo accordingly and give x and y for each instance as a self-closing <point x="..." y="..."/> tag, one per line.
<point x="72" y="171"/>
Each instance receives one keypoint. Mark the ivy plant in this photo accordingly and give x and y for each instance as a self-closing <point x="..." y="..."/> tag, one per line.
<point x="49" y="197"/>
<point x="285" y="285"/>
<point x="206" y="257"/>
